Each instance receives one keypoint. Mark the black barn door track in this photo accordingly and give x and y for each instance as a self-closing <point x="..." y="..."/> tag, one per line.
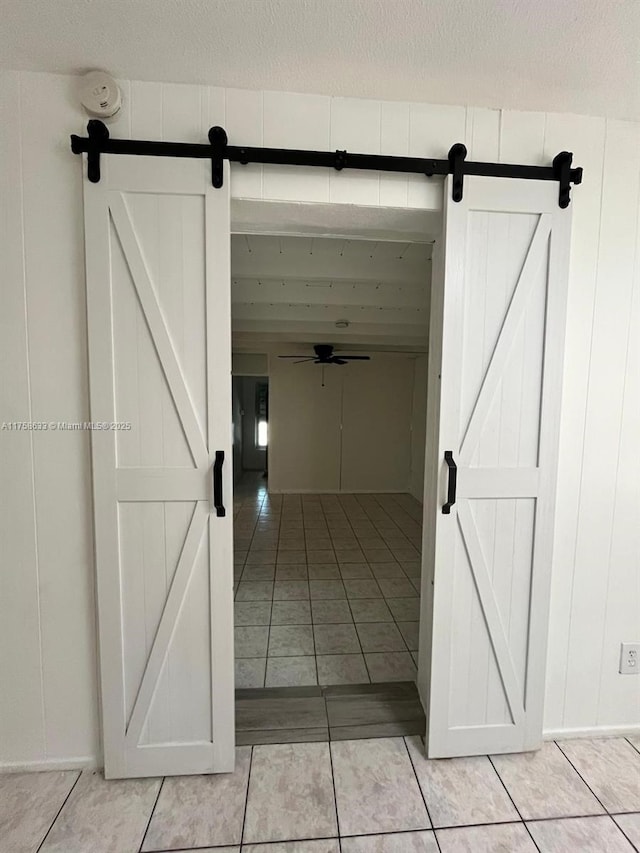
<point x="98" y="142"/>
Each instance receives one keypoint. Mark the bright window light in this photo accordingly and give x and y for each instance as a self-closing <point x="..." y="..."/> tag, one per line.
<point x="263" y="431"/>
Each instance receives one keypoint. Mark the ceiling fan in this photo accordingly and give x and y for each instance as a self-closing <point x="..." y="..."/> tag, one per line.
<point x="324" y="355"/>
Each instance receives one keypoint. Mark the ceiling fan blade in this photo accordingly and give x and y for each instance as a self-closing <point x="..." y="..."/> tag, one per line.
<point x="296" y="356"/>
<point x="303" y="360"/>
<point x="355" y="357"/>
<point x="337" y="360"/>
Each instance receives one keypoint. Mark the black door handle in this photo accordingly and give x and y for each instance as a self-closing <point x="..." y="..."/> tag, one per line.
<point x="217" y="484"/>
<point x="453" y="479"/>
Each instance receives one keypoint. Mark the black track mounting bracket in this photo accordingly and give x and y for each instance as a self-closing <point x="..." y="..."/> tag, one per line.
<point x="97" y="132"/>
<point x="456" y="156"/>
<point x="218" y="140"/>
<point x="340" y="160"/>
<point x="562" y="168"/>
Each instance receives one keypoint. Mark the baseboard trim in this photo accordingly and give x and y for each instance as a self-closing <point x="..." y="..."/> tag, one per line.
<point x="591" y="731"/>
<point x="80" y="762"/>
<point x="90" y="762"/>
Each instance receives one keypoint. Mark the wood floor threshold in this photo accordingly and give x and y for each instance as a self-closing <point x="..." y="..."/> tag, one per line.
<point x="340" y="712"/>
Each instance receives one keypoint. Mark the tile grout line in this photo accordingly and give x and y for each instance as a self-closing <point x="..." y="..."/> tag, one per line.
<point x="385" y="599"/>
<point x="629" y="741"/>
<point x="344" y="514"/>
<point x="57" y="815"/>
<point x="377" y="832"/>
<point x="565" y="817"/>
<point x="246" y="799"/>
<point x="244" y="568"/>
<point x="281" y="657"/>
<point x="313" y="634"/>
<point x="366" y="665"/>
<point x="192" y="849"/>
<point x="374" y="834"/>
<point x="253" y="532"/>
<point x="424" y="799"/>
<point x="377" y="584"/>
<point x="266" y="844"/>
<point x="280" y="531"/>
<point x="606" y="810"/>
<point x="313" y="630"/>
<point x="515" y="821"/>
<point x="620" y="829"/>
<point x="251" y="540"/>
<point x="333" y="785"/>
<point x="273" y="592"/>
<point x="513" y="803"/>
<point x="341" y="579"/>
<point x="355" y="626"/>
<point x="155" y="803"/>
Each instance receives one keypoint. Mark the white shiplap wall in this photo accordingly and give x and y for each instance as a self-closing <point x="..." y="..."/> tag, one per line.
<point x="48" y="702"/>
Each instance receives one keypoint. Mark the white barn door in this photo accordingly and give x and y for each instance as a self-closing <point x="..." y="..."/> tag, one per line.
<point x="158" y="300"/>
<point x="500" y="297"/>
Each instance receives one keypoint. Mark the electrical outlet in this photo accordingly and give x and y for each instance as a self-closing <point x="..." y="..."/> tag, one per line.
<point x="630" y="658"/>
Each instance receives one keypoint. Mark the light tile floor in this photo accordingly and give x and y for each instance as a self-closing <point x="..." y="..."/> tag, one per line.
<point x="364" y="796"/>
<point x="327" y="587"/>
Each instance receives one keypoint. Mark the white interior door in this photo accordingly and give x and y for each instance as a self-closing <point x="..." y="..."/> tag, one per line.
<point x="158" y="299"/>
<point x="498" y="309"/>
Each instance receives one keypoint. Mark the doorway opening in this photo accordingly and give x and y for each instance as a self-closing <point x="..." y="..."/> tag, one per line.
<point x="250" y="411"/>
<point x="328" y="543"/>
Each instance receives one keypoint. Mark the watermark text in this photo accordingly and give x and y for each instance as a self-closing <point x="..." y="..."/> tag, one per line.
<point x="64" y="426"/>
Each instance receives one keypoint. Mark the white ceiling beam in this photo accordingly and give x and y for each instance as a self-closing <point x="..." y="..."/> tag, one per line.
<point x="259" y="341"/>
<point x="320" y="330"/>
<point x="253" y="257"/>
<point x="330" y="268"/>
<point x="332" y="314"/>
<point x="248" y="343"/>
<point x="352" y="221"/>
<point x="343" y="247"/>
<point x="326" y="292"/>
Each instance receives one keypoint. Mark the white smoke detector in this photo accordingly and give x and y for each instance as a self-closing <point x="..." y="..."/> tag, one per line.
<point x="100" y="94"/>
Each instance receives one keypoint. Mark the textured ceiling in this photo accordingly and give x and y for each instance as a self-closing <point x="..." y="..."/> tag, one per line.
<point x="576" y="56"/>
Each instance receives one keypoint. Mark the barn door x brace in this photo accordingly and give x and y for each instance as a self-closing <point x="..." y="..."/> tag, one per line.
<point x="99" y="142"/>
